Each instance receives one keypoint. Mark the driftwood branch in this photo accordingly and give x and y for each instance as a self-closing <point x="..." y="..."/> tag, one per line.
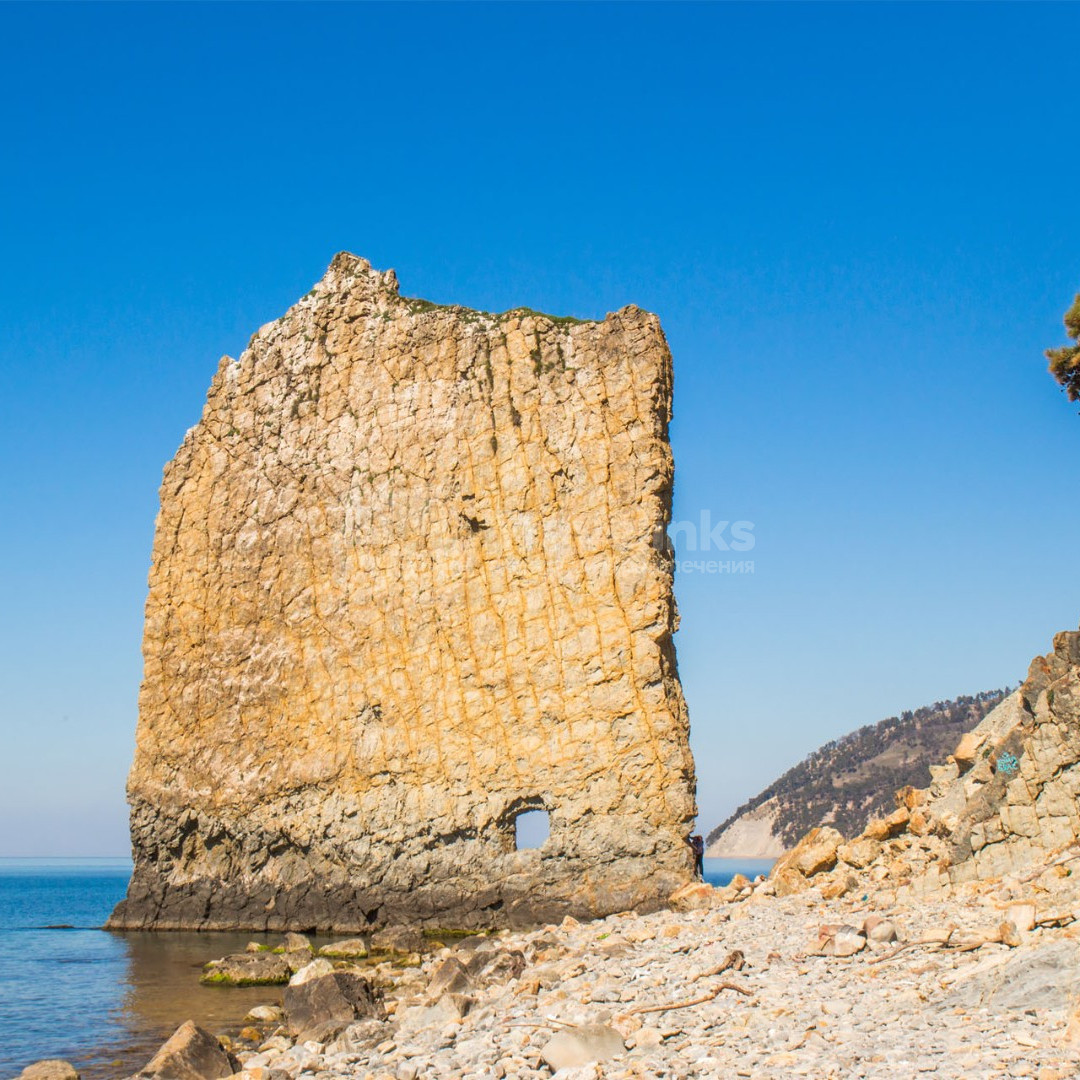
<point x="734" y="961"/>
<point x="933" y="939"/>
<point x="714" y="993"/>
<point x="1063" y="858"/>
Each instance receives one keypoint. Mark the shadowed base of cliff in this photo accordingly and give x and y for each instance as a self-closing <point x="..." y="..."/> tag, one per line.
<point x="314" y="906"/>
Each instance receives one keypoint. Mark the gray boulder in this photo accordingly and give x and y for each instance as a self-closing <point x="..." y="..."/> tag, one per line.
<point x="398" y="939"/>
<point x="450" y="977"/>
<point x="352" y="949"/>
<point x="574" y="1047"/>
<point x="495" y="965"/>
<point x="359" y="1037"/>
<point x="249" y="969"/>
<point x="322" y="1008"/>
<point x="191" y="1053"/>
<point x="297" y="959"/>
<point x="1046" y="977"/>
<point x="315" y="969"/>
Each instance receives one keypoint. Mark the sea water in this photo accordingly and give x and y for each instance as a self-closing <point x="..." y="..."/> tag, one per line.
<point x="719" y="872"/>
<point x="103" y="1001"/>
<point x="106" y="1001"/>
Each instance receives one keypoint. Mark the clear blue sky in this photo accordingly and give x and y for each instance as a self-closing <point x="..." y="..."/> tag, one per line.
<point x="858" y="224"/>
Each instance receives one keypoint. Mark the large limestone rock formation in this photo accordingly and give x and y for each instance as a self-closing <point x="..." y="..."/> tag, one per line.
<point x="1007" y="798"/>
<point x="405" y="586"/>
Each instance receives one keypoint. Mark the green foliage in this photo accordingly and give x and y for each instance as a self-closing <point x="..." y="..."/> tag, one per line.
<point x="418" y="307"/>
<point x="1065" y="362"/>
<point x="558" y="320"/>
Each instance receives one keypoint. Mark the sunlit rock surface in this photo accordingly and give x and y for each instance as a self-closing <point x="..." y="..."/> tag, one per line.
<point x="406" y="583"/>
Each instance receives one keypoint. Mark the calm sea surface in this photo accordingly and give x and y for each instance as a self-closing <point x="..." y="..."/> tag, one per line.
<point x="106" y="1001"/>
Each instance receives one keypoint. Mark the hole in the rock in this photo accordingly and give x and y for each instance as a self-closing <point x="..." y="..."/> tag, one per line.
<point x="531" y="829"/>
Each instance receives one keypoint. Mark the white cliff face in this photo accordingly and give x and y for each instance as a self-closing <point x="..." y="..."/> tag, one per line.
<point x="405" y="585"/>
<point x="752" y="836"/>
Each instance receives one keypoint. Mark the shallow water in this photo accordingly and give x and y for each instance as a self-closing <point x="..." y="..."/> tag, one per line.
<point x="719" y="872"/>
<point x="106" y="1001"/>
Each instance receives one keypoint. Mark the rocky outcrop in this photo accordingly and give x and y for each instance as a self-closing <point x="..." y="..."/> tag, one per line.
<point x="1005" y="800"/>
<point x="406" y="586"/>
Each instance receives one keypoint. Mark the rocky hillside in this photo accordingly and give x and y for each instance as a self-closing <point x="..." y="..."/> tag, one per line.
<point x="1004" y="801"/>
<point x="850" y="780"/>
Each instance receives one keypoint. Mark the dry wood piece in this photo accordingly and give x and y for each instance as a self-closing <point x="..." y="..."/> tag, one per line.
<point x="940" y="939"/>
<point x="1055" y="919"/>
<point x="734" y="961"/>
<point x="1063" y="858"/>
<point x="961" y="940"/>
<point x="714" y="993"/>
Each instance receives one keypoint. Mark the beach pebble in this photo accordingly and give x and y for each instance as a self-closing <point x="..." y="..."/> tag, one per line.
<point x="265" y="1014"/>
<point x="49" y="1069"/>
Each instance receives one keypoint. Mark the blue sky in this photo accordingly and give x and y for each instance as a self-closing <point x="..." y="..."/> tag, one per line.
<point x="857" y="224"/>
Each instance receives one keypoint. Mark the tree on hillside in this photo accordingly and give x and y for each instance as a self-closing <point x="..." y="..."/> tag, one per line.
<point x="1065" y="362"/>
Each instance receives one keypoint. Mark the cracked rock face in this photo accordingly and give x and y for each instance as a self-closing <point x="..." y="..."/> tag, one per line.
<point x="406" y="584"/>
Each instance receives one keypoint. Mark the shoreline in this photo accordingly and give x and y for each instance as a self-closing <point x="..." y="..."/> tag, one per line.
<point x="135" y="986"/>
<point x="744" y="983"/>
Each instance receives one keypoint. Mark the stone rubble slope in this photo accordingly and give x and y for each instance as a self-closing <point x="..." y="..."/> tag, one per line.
<point x="742" y="983"/>
<point x="848" y="781"/>
<point x="1006" y="800"/>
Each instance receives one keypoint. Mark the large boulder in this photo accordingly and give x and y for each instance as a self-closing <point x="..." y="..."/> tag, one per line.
<point x="315" y="970"/>
<point x="397" y="939"/>
<point x="815" y="853"/>
<point x="694" y="896"/>
<point x="450" y="977"/>
<point x="350" y="949"/>
<point x="574" y="1047"/>
<point x="323" y="1007"/>
<point x="1046" y="977"/>
<point x="191" y="1053"/>
<point x="249" y="969"/>
<point x="495" y="965"/>
<point x="296" y="943"/>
